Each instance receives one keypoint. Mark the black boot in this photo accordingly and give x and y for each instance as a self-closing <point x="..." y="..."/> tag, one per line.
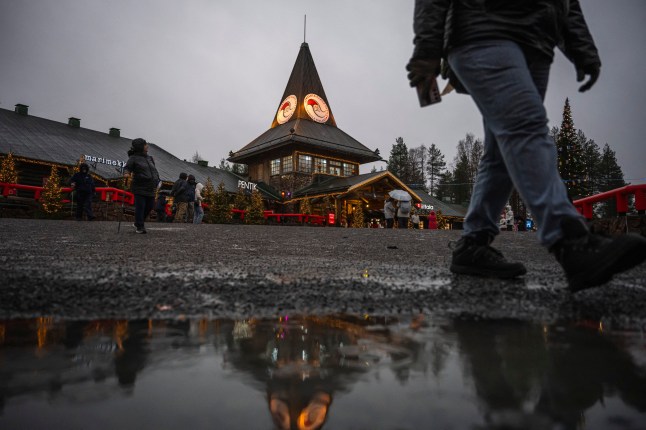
<point x="474" y="256"/>
<point x="590" y="259"/>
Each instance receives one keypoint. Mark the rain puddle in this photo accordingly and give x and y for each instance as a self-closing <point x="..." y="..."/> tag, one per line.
<point x="311" y="372"/>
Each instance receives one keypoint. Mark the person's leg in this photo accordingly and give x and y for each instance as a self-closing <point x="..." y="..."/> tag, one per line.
<point x="190" y="212"/>
<point x="509" y="94"/>
<point x="80" y="202"/>
<point x="149" y="203"/>
<point x="88" y="207"/>
<point x="140" y="208"/>
<point x="180" y="215"/>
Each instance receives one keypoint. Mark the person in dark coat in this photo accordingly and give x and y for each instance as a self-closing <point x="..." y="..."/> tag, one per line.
<point x="500" y="52"/>
<point x="83" y="189"/>
<point x="145" y="180"/>
<point x="179" y="192"/>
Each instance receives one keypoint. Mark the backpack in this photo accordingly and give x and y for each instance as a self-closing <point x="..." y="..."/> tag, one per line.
<point x="404" y="208"/>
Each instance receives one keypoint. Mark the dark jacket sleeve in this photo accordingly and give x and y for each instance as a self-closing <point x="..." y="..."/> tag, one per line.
<point x="429" y="27"/>
<point x="577" y="43"/>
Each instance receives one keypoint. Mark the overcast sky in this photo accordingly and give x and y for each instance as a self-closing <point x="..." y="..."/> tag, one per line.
<point x="208" y="75"/>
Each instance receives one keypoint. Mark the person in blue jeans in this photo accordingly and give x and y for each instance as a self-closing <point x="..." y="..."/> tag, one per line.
<point x="500" y="52"/>
<point x="145" y="179"/>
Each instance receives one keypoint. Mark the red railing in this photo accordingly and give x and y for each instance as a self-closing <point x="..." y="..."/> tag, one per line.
<point x="621" y="196"/>
<point x="106" y="194"/>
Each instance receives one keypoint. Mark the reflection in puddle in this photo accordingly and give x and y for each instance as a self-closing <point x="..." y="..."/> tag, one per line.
<point x="337" y="372"/>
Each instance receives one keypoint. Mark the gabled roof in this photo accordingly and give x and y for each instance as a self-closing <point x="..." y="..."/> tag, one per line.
<point x="447" y="209"/>
<point x="351" y="183"/>
<point x="41" y="139"/>
<point x="297" y="126"/>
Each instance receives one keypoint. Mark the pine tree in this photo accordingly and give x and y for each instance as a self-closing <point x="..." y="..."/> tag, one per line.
<point x="241" y="200"/>
<point x="357" y="217"/>
<point x="255" y="210"/>
<point x="590" y="160"/>
<point x="398" y="161"/>
<point x="50" y="198"/>
<point x="435" y="166"/>
<point x="441" y="220"/>
<point x="610" y="177"/>
<point x="306" y="206"/>
<point x="220" y="211"/>
<point x="569" y="154"/>
<point x="416" y="166"/>
<point x="208" y="198"/>
<point x="8" y="172"/>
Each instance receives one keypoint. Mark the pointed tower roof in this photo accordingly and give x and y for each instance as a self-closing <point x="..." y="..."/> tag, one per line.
<point x="304" y="117"/>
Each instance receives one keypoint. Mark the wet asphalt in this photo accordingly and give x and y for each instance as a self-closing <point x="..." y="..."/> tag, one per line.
<point x="87" y="270"/>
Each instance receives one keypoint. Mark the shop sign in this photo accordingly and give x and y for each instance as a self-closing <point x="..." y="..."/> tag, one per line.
<point x="246" y="185"/>
<point x="92" y="159"/>
<point x="427" y="207"/>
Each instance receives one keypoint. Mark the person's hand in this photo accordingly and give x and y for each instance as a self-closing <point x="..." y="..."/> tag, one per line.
<point x="593" y="70"/>
<point x="422" y="71"/>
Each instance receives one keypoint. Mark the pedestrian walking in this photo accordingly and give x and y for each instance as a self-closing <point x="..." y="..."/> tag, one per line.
<point x="190" y="199"/>
<point x="432" y="221"/>
<point x="140" y="167"/>
<point x="199" y="210"/>
<point x="160" y="206"/>
<point x="83" y="189"/>
<point x="500" y="53"/>
<point x="389" y="212"/>
<point x="403" y="213"/>
<point x="179" y="192"/>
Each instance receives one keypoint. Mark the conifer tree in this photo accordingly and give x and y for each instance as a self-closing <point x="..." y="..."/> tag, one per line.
<point x="435" y="166"/>
<point x="441" y="220"/>
<point x="254" y="211"/>
<point x="357" y="217"/>
<point x="8" y="172"/>
<point x="398" y="161"/>
<point x="208" y="197"/>
<point x="569" y="154"/>
<point x="50" y="198"/>
<point x="241" y="200"/>
<point x="220" y="212"/>
<point x="306" y="206"/>
<point x="610" y="177"/>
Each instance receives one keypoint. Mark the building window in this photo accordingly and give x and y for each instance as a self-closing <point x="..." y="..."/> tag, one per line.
<point x="335" y="168"/>
<point x="305" y="163"/>
<point x="288" y="166"/>
<point x="348" y="169"/>
<point x="320" y="165"/>
<point x="275" y="167"/>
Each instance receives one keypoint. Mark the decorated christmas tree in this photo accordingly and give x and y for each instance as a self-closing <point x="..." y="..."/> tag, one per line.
<point x="254" y="210"/>
<point x="8" y="172"/>
<point x="208" y="197"/>
<point x="50" y="199"/>
<point x="441" y="220"/>
<point x="220" y="210"/>
<point x="357" y="217"/>
<point x="306" y="206"/>
<point x="570" y="155"/>
<point x="241" y="200"/>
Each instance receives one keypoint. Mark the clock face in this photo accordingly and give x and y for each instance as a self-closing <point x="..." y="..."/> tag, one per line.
<point x="286" y="109"/>
<point x="316" y="108"/>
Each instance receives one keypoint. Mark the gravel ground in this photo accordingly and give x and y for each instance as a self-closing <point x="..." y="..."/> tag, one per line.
<point x="83" y="270"/>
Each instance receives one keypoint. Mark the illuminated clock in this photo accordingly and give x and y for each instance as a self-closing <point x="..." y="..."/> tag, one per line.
<point x="286" y="109"/>
<point x="316" y="108"/>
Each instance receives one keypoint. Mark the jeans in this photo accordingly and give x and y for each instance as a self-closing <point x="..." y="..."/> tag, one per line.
<point x="143" y="206"/>
<point x="518" y="151"/>
<point x="199" y="214"/>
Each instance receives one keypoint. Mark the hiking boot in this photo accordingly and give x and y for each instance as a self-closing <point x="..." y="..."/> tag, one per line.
<point x="141" y="231"/>
<point x="590" y="260"/>
<point x="473" y="257"/>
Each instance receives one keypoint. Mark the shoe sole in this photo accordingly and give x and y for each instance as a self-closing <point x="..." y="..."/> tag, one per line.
<point x="627" y="251"/>
<point x="483" y="273"/>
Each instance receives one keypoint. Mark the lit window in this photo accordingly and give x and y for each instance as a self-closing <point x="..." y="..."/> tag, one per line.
<point x="320" y="165"/>
<point x="335" y="168"/>
<point x="288" y="166"/>
<point x="349" y="169"/>
<point x="275" y="167"/>
<point x="305" y="163"/>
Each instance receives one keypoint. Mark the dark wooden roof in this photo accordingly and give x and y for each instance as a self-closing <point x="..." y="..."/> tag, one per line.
<point x="45" y="140"/>
<point x="447" y="209"/>
<point x="304" y="80"/>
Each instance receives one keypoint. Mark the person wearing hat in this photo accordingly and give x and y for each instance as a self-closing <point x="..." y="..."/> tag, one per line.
<point x="83" y="189"/>
<point x="190" y="199"/>
<point x="179" y="192"/>
<point x="145" y="179"/>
